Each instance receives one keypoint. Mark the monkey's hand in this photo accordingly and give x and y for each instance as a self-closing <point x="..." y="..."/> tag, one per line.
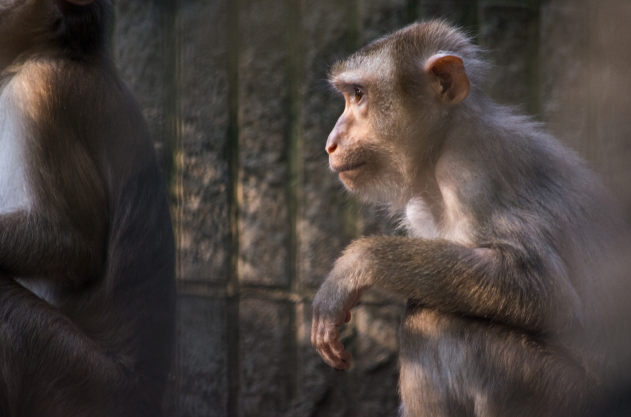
<point x="331" y="308"/>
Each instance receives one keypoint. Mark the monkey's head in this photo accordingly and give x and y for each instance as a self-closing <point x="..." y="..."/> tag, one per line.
<point x="76" y="27"/>
<point x="400" y="92"/>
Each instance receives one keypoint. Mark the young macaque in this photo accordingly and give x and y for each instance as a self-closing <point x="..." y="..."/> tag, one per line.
<point x="517" y="295"/>
<point x="87" y="289"/>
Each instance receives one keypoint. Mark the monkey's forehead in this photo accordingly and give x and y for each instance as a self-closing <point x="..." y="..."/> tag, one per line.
<point x="352" y="77"/>
<point x="362" y="70"/>
<point x="377" y="51"/>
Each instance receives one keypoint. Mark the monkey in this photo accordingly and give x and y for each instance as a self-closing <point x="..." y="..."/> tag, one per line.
<point x="512" y="260"/>
<point x="87" y="253"/>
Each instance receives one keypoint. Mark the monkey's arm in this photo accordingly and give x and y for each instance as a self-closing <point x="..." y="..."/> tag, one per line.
<point x="502" y="283"/>
<point x="41" y="245"/>
<point x="36" y="338"/>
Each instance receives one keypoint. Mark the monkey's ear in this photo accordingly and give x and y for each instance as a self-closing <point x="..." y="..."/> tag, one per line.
<point x="80" y="2"/>
<point x="448" y="77"/>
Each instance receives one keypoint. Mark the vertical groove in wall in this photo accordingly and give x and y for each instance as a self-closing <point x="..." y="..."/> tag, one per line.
<point x="233" y="158"/>
<point x="479" y="14"/>
<point x="593" y="140"/>
<point x="173" y="128"/>
<point x="534" y="99"/>
<point x="295" y="178"/>
<point x="171" y="137"/>
<point x="357" y="24"/>
<point x="474" y="23"/>
<point x="295" y="165"/>
<point x="172" y="176"/>
<point x="412" y="11"/>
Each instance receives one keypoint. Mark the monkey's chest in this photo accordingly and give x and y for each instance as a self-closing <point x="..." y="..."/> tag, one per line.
<point x="14" y="192"/>
<point x="421" y="222"/>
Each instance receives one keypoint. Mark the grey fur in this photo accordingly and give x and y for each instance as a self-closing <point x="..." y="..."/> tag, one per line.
<point x="519" y="305"/>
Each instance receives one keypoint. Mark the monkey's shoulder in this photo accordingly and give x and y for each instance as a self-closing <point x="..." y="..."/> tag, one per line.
<point x="66" y="85"/>
<point x="77" y="100"/>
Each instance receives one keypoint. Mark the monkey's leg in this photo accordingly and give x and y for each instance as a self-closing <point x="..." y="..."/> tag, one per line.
<point x="457" y="366"/>
<point x="49" y="367"/>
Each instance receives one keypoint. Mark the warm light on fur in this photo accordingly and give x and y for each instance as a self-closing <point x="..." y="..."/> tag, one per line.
<point x="517" y="303"/>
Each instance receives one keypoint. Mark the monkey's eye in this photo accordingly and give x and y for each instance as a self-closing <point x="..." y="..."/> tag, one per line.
<point x="358" y="95"/>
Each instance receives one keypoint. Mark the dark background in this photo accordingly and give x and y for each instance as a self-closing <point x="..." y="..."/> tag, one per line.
<point x="235" y="98"/>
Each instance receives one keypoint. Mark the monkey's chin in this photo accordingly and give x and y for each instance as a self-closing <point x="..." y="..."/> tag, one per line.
<point x="351" y="180"/>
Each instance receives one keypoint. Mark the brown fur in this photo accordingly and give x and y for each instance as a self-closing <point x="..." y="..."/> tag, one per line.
<point x="94" y="240"/>
<point x="518" y="293"/>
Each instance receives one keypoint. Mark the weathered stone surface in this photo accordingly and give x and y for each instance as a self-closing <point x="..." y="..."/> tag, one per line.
<point x="463" y="13"/>
<point x="204" y="215"/>
<point x="585" y="88"/>
<point x="203" y="357"/>
<point x="263" y="143"/>
<point x="509" y="33"/>
<point x="581" y="88"/>
<point x="379" y="17"/>
<point x="565" y="74"/>
<point x="611" y="82"/>
<point x="322" y="228"/>
<point x="139" y="53"/>
<point x="377" y="360"/>
<point x="265" y="357"/>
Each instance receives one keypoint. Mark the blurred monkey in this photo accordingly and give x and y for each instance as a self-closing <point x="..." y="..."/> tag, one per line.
<point x="87" y="290"/>
<point x="517" y="296"/>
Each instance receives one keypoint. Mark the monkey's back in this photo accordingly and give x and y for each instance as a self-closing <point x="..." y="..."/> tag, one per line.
<point x="539" y="195"/>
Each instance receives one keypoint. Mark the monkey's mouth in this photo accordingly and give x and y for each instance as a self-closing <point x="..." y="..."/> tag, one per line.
<point x="345" y="168"/>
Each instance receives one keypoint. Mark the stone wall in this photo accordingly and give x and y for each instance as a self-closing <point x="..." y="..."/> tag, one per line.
<point x="235" y="98"/>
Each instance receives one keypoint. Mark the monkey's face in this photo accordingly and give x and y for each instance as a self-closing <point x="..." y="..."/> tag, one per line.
<point x="394" y="102"/>
<point x="364" y="146"/>
<point x="353" y="142"/>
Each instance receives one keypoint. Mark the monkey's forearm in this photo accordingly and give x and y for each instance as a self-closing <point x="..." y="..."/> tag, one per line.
<point x="499" y="284"/>
<point x="31" y="245"/>
<point x="36" y="338"/>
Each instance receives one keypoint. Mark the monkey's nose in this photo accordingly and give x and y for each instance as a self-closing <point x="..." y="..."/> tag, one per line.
<point x="331" y="142"/>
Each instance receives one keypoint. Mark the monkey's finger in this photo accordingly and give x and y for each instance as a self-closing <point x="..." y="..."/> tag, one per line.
<point x="332" y="350"/>
<point x="345" y="361"/>
<point x="348" y="317"/>
<point x="328" y="343"/>
<point x="329" y="357"/>
<point x="337" y="348"/>
<point x="330" y="335"/>
<point x="340" y="360"/>
<point x="318" y="334"/>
